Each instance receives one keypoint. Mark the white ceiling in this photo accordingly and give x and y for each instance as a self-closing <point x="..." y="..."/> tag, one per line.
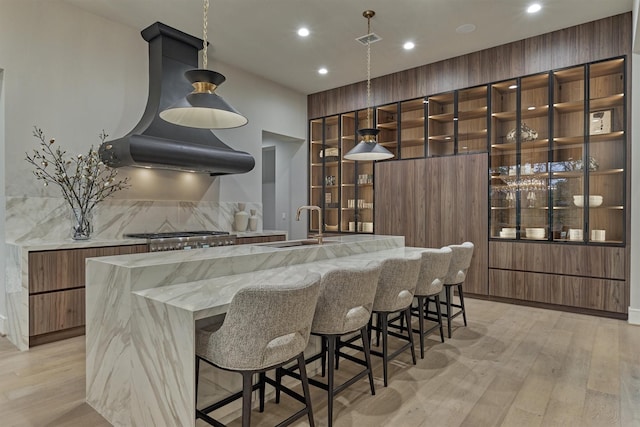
<point x="259" y="36"/>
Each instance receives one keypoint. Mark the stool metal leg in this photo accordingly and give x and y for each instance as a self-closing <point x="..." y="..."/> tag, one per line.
<point x="448" y="295"/>
<point x="461" y="294"/>
<point x="367" y="356"/>
<point x="247" y="386"/>
<point x="407" y="315"/>
<point x="305" y="388"/>
<point x="439" y="310"/>
<point x="331" y="357"/>
<point x="385" y="355"/>
<point x="261" y="389"/>
<point x="421" y="324"/>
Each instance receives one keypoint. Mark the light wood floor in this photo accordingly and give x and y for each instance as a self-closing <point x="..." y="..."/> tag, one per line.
<point x="513" y="366"/>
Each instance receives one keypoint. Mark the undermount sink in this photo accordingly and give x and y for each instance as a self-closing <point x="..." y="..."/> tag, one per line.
<point x="295" y="243"/>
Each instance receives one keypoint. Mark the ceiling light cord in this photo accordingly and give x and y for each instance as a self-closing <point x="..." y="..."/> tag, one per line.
<point x="204" y="33"/>
<point x="369" y="124"/>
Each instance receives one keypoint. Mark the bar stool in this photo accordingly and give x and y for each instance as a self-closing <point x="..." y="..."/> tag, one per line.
<point x="396" y="286"/>
<point x="266" y="326"/>
<point x="433" y="269"/>
<point x="460" y="262"/>
<point x="344" y="307"/>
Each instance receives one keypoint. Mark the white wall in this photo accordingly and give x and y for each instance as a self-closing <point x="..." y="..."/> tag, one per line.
<point x="74" y="74"/>
<point x="634" y="305"/>
<point x="291" y="182"/>
<point x="269" y="188"/>
<point x="3" y="318"/>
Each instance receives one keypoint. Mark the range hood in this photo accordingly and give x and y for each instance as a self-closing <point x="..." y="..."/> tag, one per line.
<point x="156" y="143"/>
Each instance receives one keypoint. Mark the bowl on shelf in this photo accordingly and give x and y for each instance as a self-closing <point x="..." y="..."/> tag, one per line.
<point x="594" y="200"/>
<point x="535" y="232"/>
<point x="508" y="233"/>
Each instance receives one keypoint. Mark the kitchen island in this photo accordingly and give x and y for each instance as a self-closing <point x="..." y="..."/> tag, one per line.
<point x="142" y="311"/>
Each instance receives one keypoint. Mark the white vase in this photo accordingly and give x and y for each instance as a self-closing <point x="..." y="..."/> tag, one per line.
<point x="253" y="220"/>
<point x="241" y="218"/>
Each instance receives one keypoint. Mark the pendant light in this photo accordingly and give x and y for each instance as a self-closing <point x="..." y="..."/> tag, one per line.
<point x="368" y="148"/>
<point x="203" y="108"/>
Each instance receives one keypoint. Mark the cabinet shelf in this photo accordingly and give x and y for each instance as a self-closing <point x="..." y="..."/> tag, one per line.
<point x="412" y="142"/>
<point x="580" y="174"/>
<point x="441" y="138"/>
<point x="601" y="137"/>
<point x="538" y="143"/>
<point x="538" y="111"/>
<point x="594" y="104"/>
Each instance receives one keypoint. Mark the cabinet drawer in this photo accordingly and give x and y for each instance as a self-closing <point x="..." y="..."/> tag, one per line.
<point x="55" y="311"/>
<point x="63" y="269"/>
<point x="260" y="239"/>
<point x="583" y="292"/>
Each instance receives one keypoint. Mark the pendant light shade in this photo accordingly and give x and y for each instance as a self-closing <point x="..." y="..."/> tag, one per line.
<point x="203" y="108"/>
<point x="367" y="148"/>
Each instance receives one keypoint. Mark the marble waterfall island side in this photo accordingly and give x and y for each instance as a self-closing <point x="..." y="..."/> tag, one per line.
<point x="142" y="308"/>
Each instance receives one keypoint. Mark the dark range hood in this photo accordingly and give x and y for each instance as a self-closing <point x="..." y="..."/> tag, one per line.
<point x="159" y="144"/>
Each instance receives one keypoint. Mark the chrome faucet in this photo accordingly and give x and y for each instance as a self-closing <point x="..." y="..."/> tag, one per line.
<point x="320" y="223"/>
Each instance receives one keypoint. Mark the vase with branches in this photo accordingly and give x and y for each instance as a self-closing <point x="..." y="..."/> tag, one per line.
<point x="84" y="179"/>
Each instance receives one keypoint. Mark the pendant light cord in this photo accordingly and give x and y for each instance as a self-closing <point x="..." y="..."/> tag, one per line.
<point x="204" y="34"/>
<point x="368" y="72"/>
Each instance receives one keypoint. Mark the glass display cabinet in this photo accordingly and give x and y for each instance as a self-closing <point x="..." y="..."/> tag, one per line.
<point x="342" y="188"/>
<point x="558" y="155"/>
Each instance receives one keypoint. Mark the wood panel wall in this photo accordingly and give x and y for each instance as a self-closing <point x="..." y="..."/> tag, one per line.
<point x="435" y="202"/>
<point x="593" y="41"/>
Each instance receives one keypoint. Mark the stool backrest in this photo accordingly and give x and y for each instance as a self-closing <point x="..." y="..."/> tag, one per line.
<point x="397" y="282"/>
<point x="267" y="323"/>
<point x="433" y="269"/>
<point x="460" y="262"/>
<point x="346" y="299"/>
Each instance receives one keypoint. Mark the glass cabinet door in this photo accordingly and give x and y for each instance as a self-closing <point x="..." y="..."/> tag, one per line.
<point x="316" y="171"/>
<point x="362" y="204"/>
<point x="567" y="174"/>
<point x="606" y="152"/>
<point x="533" y="174"/>
<point x="472" y="120"/>
<point x="331" y="158"/>
<point x="412" y="143"/>
<point x="503" y="160"/>
<point x="441" y="125"/>
<point x="348" y="174"/>
<point x="324" y="161"/>
<point x="387" y="124"/>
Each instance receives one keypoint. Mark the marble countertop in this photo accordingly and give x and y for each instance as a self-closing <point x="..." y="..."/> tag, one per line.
<point x="44" y="245"/>
<point x="210" y="297"/>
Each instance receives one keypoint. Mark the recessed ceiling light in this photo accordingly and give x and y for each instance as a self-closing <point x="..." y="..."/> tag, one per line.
<point x="534" y="8"/>
<point x="322" y="70"/>
<point x="466" y="28"/>
<point x="303" y="32"/>
<point x="513" y="87"/>
<point x="409" y="45"/>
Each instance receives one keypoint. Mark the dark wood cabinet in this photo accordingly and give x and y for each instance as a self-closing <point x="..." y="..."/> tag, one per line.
<point x="56" y="290"/>
<point x="435" y="202"/>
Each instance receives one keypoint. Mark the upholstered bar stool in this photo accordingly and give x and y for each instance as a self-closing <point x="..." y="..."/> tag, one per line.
<point x="396" y="286"/>
<point x="266" y="326"/>
<point x="460" y="262"/>
<point x="433" y="269"/>
<point x="344" y="306"/>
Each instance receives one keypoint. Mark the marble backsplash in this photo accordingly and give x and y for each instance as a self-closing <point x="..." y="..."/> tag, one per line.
<point x="49" y="218"/>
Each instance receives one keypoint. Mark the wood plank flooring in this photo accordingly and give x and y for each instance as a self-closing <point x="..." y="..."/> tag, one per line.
<point x="512" y="366"/>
